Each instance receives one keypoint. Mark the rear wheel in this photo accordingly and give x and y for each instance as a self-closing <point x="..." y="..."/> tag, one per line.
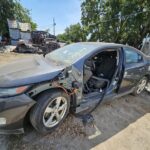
<point x="141" y="86"/>
<point x="51" y="109"/>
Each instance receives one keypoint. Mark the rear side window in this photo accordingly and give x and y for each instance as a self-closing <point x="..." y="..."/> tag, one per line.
<point x="132" y="56"/>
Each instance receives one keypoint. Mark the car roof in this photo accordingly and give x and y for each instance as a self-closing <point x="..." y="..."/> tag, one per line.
<point x="109" y="45"/>
<point x="105" y="44"/>
<point x="101" y="44"/>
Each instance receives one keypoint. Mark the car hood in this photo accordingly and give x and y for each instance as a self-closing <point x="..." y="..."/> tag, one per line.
<point x="28" y="71"/>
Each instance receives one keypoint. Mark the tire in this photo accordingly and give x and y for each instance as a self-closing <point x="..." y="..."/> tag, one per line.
<point x="44" y="116"/>
<point x="140" y="88"/>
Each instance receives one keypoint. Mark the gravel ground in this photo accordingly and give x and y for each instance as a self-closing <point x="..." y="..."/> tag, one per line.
<point x="121" y="124"/>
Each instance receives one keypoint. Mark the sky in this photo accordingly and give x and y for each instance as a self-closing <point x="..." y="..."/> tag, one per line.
<point x="65" y="12"/>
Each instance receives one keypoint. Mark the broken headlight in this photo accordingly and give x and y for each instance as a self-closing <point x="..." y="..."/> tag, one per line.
<point x="4" y="92"/>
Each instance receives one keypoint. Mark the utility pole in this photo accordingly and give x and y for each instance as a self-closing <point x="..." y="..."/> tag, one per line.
<point x="54" y="24"/>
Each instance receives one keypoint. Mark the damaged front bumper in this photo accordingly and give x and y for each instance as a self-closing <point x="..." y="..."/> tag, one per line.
<point x="12" y="113"/>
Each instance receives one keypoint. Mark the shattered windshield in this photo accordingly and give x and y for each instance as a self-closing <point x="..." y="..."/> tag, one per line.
<point x="70" y="53"/>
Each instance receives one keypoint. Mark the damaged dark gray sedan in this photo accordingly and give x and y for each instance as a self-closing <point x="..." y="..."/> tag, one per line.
<point x="76" y="77"/>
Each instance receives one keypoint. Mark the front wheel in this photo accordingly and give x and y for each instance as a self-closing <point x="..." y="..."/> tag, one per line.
<point x="141" y="86"/>
<point x="51" y="109"/>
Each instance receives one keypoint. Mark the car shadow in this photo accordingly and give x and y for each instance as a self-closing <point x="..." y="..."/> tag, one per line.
<point x="111" y="117"/>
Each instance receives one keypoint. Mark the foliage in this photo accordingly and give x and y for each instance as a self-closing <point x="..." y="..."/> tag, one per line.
<point x="63" y="37"/>
<point x="12" y="9"/>
<point x="73" y="33"/>
<point x="23" y="15"/>
<point x="120" y="21"/>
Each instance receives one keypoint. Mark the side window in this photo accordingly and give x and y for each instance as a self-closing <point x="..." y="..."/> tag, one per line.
<point x="132" y="56"/>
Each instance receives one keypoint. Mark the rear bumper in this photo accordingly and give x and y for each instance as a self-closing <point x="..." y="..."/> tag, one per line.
<point x="12" y="113"/>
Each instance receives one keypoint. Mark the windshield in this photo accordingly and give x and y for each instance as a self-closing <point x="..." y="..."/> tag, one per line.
<point x="70" y="53"/>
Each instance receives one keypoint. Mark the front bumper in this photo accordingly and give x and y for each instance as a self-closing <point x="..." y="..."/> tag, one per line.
<point x="13" y="110"/>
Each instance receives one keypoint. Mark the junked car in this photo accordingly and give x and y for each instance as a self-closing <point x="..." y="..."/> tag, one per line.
<point x="76" y="77"/>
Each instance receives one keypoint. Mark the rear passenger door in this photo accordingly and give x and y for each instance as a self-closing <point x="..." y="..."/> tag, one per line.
<point x="134" y="69"/>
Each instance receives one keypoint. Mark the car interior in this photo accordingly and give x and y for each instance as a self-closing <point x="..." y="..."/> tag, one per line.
<point x="99" y="71"/>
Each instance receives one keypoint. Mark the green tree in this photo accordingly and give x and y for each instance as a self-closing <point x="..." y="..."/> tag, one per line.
<point x="73" y="33"/>
<point x="63" y="37"/>
<point x="12" y="9"/>
<point x="120" y="21"/>
<point x="23" y="15"/>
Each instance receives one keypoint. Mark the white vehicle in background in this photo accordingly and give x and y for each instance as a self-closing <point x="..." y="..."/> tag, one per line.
<point x="146" y="45"/>
<point x="0" y="38"/>
<point x="146" y="50"/>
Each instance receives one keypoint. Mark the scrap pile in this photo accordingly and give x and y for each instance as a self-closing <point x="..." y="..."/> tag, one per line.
<point x="44" y="41"/>
<point x="27" y="41"/>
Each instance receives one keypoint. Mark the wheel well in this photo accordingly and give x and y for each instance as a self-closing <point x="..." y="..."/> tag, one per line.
<point x="35" y="99"/>
<point x="72" y="97"/>
<point x="47" y="90"/>
<point x="72" y="102"/>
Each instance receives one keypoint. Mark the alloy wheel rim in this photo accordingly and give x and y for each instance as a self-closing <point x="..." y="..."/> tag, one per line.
<point x="141" y="86"/>
<point x="55" y="111"/>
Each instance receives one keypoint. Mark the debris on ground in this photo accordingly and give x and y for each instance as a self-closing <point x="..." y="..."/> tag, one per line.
<point x="23" y="47"/>
<point x="87" y="119"/>
<point x="7" y="48"/>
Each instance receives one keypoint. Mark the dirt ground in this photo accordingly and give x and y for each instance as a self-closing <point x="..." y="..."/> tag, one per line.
<point x="121" y="124"/>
